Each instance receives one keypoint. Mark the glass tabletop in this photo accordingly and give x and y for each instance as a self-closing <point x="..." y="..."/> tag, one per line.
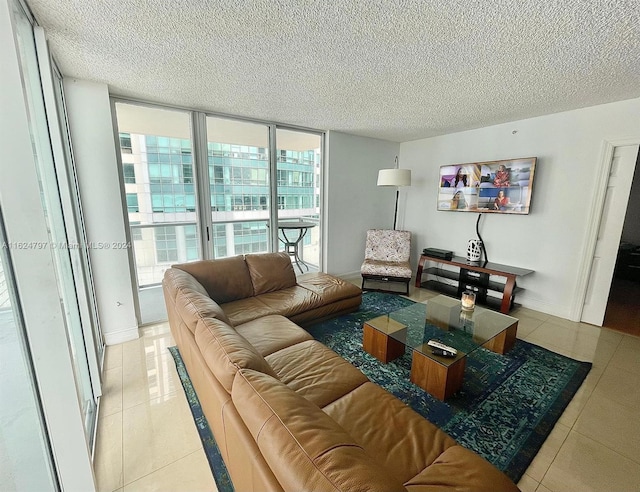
<point x="443" y="319"/>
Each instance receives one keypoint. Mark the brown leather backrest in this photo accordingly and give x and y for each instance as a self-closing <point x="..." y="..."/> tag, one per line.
<point x="193" y="306"/>
<point x="226" y="351"/>
<point x="177" y="280"/>
<point x="189" y="299"/>
<point x="303" y="446"/>
<point x="270" y="272"/>
<point x="225" y="280"/>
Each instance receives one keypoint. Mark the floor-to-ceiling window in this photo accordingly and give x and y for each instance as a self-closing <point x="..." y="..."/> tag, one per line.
<point x="158" y="176"/>
<point x="160" y="189"/>
<point x="200" y="186"/>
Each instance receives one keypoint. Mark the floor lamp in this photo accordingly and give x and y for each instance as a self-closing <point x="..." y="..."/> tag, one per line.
<point x="395" y="177"/>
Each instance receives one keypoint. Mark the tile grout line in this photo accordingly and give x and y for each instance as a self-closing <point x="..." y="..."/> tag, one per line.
<point x="554" y="458"/>
<point x="163" y="467"/>
<point x="607" y="447"/>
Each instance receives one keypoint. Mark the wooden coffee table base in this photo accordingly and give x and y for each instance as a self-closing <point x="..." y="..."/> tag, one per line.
<point x="440" y="380"/>
<point x="380" y="345"/>
<point x="504" y="342"/>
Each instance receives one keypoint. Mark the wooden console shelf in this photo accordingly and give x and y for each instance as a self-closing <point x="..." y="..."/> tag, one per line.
<point x="473" y="276"/>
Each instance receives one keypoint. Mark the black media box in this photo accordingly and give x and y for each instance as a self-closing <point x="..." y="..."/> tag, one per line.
<point x="438" y="253"/>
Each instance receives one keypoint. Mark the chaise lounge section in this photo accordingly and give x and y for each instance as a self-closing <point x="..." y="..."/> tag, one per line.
<point x="287" y="412"/>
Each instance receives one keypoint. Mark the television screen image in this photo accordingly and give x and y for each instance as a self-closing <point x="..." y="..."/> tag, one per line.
<point x="493" y="187"/>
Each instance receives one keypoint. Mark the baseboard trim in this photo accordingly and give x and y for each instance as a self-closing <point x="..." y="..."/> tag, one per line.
<point x="121" y="336"/>
<point x="544" y="306"/>
<point x="349" y="274"/>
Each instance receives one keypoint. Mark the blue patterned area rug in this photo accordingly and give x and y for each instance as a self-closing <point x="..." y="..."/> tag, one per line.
<point x="507" y="406"/>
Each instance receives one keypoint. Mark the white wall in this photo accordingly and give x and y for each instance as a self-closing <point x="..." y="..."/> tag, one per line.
<point x="94" y="150"/>
<point x="353" y="202"/>
<point x="550" y="240"/>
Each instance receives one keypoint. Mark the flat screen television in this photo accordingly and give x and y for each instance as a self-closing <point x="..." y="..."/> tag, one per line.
<point x="502" y="187"/>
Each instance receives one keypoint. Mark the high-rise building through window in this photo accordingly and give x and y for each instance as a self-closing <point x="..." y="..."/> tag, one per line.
<point x="160" y="186"/>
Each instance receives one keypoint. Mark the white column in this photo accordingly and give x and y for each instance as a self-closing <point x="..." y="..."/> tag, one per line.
<point x="92" y="137"/>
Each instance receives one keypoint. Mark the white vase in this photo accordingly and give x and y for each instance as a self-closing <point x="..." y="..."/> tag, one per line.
<point x="474" y="250"/>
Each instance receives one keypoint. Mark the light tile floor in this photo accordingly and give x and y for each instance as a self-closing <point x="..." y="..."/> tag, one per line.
<point x="147" y="441"/>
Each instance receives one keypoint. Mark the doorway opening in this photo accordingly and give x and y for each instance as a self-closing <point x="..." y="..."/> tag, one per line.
<point x="623" y="306"/>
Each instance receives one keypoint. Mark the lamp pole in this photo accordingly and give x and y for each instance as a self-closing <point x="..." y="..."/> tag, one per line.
<point x="395" y="177"/>
<point x="395" y="215"/>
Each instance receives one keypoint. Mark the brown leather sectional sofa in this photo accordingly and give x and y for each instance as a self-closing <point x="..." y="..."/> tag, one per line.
<point x="287" y="412"/>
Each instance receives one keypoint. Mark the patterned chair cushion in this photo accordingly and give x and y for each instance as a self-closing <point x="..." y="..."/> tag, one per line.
<point x="387" y="253"/>
<point x="386" y="269"/>
<point x="385" y="245"/>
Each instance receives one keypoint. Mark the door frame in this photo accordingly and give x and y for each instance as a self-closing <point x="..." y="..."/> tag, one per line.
<point x="594" y="219"/>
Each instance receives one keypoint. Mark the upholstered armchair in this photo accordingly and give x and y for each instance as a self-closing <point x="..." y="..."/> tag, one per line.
<point x="386" y="258"/>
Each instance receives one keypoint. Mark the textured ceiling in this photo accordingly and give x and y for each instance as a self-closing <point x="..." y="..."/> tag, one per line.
<point x="397" y="70"/>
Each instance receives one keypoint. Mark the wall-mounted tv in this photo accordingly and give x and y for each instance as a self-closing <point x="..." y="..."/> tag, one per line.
<point x="493" y="187"/>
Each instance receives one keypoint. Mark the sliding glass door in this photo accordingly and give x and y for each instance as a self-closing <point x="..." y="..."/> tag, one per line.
<point x="238" y="187"/>
<point x="25" y="461"/>
<point x="68" y="182"/>
<point x="299" y="164"/>
<point x="56" y="204"/>
<point x="51" y="389"/>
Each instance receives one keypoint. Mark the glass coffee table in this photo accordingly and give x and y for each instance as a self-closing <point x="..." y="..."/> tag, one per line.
<point x="443" y="319"/>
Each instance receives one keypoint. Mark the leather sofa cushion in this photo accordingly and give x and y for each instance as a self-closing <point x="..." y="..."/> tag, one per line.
<point x="315" y="372"/>
<point x="305" y="448"/>
<point x="225" y="280"/>
<point x="327" y="311"/>
<point x="245" y="310"/>
<point x="287" y="302"/>
<point x="272" y="333"/>
<point x="292" y="300"/>
<point x="328" y="287"/>
<point x="461" y="470"/>
<point x="225" y="351"/>
<point x="270" y="272"/>
<point x="406" y="443"/>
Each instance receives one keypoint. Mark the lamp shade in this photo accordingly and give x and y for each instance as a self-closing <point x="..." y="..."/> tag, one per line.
<point x="394" y="177"/>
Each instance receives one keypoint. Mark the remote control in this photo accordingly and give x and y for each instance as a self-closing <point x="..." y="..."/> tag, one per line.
<point x="444" y="353"/>
<point x="438" y="345"/>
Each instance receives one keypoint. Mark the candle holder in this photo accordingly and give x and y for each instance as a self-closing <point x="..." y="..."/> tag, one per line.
<point x="468" y="300"/>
